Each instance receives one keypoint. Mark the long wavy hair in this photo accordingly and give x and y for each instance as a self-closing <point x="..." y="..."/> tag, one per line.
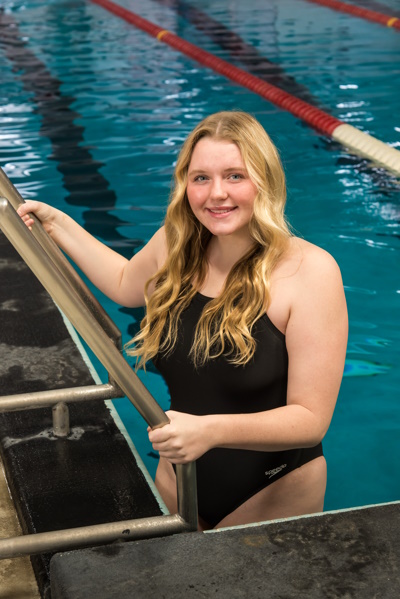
<point x="226" y="323"/>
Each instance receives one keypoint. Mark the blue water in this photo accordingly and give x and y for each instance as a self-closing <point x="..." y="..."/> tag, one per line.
<point x="131" y="102"/>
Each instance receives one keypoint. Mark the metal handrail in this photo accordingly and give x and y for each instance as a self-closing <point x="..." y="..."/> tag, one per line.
<point x="97" y="534"/>
<point x="9" y="191"/>
<point x="84" y="321"/>
<point x="43" y="399"/>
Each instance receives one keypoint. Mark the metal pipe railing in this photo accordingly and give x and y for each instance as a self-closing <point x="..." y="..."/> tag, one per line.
<point x="42" y="399"/>
<point x="97" y="534"/>
<point x="187" y="492"/>
<point x="9" y="191"/>
<point x="82" y="318"/>
<point x="61" y="427"/>
<point x="58" y="399"/>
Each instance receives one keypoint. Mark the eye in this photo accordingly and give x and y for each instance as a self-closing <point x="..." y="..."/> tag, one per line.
<point x="200" y="178"/>
<point x="236" y="176"/>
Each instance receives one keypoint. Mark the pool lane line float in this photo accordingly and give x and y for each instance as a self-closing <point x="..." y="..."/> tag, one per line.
<point x="362" y="13"/>
<point x="367" y="146"/>
<point x="352" y="138"/>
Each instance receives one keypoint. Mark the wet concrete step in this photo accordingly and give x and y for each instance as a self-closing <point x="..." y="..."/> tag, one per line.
<point x="342" y="555"/>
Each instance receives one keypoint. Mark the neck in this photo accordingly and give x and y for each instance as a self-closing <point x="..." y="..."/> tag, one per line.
<point x="224" y="252"/>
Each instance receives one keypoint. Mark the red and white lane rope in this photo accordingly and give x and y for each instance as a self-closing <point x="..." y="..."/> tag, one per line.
<point x="355" y="140"/>
<point x="362" y="13"/>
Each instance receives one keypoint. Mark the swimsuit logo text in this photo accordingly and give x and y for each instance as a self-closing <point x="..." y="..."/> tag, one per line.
<point x="271" y="473"/>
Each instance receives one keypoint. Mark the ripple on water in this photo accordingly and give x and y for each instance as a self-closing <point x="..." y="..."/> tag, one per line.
<point x="364" y="368"/>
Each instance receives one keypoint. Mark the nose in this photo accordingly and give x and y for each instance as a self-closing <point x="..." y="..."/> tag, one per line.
<point x="218" y="190"/>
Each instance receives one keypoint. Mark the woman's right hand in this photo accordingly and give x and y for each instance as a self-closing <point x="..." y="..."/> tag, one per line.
<point x="120" y="279"/>
<point x="45" y="213"/>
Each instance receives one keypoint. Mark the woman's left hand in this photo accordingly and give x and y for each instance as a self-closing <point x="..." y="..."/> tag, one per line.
<point x="181" y="441"/>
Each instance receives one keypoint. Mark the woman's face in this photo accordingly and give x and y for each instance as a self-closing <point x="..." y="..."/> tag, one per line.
<point x="220" y="192"/>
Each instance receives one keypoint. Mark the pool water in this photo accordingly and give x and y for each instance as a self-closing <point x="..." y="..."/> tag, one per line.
<point x="93" y="112"/>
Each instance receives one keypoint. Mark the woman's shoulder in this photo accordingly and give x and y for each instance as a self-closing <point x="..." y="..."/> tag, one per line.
<point x="305" y="266"/>
<point x="159" y="236"/>
<point x="310" y="258"/>
<point x="158" y="246"/>
<point x="315" y="269"/>
<point x="306" y="278"/>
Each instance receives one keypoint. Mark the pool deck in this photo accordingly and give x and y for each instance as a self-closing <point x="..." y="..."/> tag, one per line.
<point x="93" y="477"/>
<point x="333" y="556"/>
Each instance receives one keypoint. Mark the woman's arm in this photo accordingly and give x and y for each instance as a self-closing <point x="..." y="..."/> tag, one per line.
<point x="120" y="279"/>
<point x="316" y="339"/>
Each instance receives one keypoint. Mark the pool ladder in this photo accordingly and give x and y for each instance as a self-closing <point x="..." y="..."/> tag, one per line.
<point x="101" y="334"/>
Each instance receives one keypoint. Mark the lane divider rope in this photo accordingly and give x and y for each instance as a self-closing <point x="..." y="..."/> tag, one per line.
<point x="161" y="34"/>
<point x="394" y="22"/>
<point x="362" y="13"/>
<point x="352" y="138"/>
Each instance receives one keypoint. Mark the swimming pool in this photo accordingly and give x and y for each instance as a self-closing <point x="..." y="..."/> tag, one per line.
<point x="93" y="112"/>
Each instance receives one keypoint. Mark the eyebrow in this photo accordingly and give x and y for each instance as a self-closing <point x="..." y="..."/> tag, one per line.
<point x="227" y="170"/>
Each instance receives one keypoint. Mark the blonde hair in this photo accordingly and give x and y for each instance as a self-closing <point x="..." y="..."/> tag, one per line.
<point x="226" y="323"/>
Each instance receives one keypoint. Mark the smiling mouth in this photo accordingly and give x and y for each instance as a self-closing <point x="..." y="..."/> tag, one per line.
<point x="221" y="211"/>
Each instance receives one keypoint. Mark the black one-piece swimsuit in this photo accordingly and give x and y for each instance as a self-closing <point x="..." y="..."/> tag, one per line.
<point x="226" y="478"/>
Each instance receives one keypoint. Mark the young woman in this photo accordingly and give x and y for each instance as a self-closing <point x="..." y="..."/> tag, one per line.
<point x="246" y="322"/>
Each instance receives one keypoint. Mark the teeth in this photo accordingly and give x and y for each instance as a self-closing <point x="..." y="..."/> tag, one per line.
<point x="221" y="211"/>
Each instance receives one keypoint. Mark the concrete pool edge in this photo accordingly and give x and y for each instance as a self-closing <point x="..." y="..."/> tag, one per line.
<point x="316" y="515"/>
<point x="350" y="553"/>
